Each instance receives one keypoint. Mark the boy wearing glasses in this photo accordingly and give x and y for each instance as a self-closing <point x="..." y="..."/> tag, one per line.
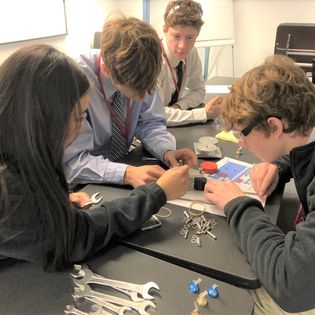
<point x="180" y="81"/>
<point x="271" y="110"/>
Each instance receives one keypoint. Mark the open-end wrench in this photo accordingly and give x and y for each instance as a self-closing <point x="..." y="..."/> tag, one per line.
<point x="85" y="275"/>
<point x="120" y="310"/>
<point x="84" y="290"/>
<point x="96" y="310"/>
<point x="133" y="295"/>
<point x="94" y="200"/>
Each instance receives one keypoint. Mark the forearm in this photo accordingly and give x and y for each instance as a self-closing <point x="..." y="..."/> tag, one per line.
<point x="118" y="218"/>
<point x="275" y="258"/>
<point x="192" y="98"/>
<point x="86" y="168"/>
<point x="178" y="117"/>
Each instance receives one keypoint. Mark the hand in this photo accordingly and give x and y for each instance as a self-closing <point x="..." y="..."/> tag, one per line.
<point x="175" y="182"/>
<point x="220" y="193"/>
<point x="79" y="198"/>
<point x="171" y="158"/>
<point x="140" y="175"/>
<point x="213" y="107"/>
<point x="175" y="106"/>
<point x="265" y="178"/>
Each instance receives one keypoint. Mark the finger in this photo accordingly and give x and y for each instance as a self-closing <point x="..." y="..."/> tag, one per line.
<point x="210" y="184"/>
<point x="266" y="182"/>
<point x="156" y="171"/>
<point x="185" y="169"/>
<point x="191" y="159"/>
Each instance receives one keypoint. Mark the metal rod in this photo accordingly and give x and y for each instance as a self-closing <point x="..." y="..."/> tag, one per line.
<point x="302" y="52"/>
<point x="303" y="64"/>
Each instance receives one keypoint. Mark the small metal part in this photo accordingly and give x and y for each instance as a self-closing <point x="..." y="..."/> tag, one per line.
<point x="196" y="240"/>
<point x="202" y="299"/>
<point x="153" y="223"/>
<point x="212" y="235"/>
<point x="239" y="151"/>
<point x="94" y="200"/>
<point x="184" y="232"/>
<point x="180" y="163"/>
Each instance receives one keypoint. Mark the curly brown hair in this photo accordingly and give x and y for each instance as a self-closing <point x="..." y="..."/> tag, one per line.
<point x="131" y="52"/>
<point x="277" y="88"/>
<point x="184" y="12"/>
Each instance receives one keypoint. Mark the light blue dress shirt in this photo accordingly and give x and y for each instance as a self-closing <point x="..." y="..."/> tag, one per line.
<point x="86" y="159"/>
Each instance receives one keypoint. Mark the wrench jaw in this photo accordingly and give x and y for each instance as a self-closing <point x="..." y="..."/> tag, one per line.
<point x="93" y="200"/>
<point x="146" y="288"/>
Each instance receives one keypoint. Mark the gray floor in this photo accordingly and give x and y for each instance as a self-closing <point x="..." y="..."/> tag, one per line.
<point x="288" y="207"/>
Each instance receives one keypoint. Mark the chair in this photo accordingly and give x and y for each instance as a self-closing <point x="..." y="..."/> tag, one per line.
<point x="297" y="40"/>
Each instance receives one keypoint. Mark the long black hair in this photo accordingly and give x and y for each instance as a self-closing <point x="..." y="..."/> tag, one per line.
<point x="39" y="89"/>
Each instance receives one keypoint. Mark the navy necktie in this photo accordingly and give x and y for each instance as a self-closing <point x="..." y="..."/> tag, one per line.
<point x="179" y="70"/>
<point x="119" y="139"/>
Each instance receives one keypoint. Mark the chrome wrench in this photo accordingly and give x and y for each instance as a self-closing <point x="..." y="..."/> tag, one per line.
<point x="85" y="290"/>
<point x="85" y="275"/>
<point x="120" y="310"/>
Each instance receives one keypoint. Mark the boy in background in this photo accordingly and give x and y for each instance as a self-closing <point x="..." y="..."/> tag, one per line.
<point x="181" y="84"/>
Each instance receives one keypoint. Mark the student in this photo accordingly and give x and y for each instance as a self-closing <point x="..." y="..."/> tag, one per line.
<point x="43" y="97"/>
<point x="180" y="92"/>
<point x="124" y="71"/>
<point x="271" y="111"/>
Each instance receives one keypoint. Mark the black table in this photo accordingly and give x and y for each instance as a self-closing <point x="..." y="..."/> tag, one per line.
<point x="220" y="259"/>
<point x="27" y="290"/>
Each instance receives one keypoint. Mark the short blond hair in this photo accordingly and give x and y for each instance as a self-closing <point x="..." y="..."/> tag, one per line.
<point x="132" y="54"/>
<point x="185" y="13"/>
<point x="276" y="88"/>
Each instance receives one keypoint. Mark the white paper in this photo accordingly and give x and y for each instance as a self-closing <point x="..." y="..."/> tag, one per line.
<point x="236" y="170"/>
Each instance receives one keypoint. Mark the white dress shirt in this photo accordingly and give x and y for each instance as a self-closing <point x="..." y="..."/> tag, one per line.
<point x="86" y="160"/>
<point x="192" y="91"/>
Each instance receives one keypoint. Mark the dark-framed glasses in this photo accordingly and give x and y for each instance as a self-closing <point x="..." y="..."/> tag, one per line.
<point x="240" y="134"/>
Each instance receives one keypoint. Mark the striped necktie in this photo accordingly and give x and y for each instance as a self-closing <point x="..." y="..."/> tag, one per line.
<point x="119" y="139"/>
<point x="179" y="70"/>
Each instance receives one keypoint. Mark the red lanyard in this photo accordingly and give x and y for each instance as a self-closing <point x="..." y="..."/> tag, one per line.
<point x="123" y="127"/>
<point x="171" y="69"/>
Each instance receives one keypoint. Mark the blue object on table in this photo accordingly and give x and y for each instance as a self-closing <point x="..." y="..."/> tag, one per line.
<point x="194" y="286"/>
<point x="212" y="291"/>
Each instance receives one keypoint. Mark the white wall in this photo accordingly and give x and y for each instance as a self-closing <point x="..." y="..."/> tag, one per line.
<point x="255" y="25"/>
<point x="84" y="17"/>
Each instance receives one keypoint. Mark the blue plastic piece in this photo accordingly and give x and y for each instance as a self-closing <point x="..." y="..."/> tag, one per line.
<point x="213" y="292"/>
<point x="193" y="287"/>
